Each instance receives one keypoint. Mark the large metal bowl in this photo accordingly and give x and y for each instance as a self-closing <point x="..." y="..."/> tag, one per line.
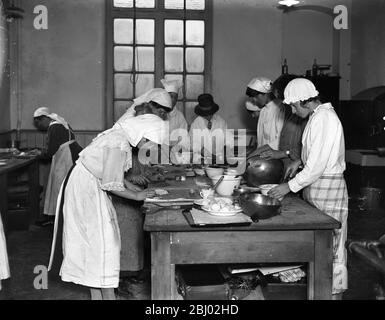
<point x="258" y="206"/>
<point x="260" y="171"/>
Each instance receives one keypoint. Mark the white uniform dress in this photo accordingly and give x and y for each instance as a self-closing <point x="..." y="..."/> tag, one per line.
<point x="270" y="123"/>
<point x="4" y="265"/>
<point x="91" y="238"/>
<point x="217" y="133"/>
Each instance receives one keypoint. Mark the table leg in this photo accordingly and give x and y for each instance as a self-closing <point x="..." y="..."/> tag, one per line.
<point x="323" y="264"/>
<point x="4" y="200"/>
<point x="33" y="196"/>
<point x="162" y="271"/>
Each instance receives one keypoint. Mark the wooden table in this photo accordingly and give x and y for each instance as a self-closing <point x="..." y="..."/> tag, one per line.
<point x="13" y="165"/>
<point x="300" y="233"/>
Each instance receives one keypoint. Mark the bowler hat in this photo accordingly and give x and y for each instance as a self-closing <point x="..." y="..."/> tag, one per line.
<point x="206" y="105"/>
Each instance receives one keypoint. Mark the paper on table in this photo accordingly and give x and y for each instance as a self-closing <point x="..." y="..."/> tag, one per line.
<point x="270" y="270"/>
<point x="202" y="217"/>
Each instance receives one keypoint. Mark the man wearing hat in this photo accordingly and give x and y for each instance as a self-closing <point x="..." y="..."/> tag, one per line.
<point x="62" y="150"/>
<point x="323" y="158"/>
<point x="208" y="125"/>
<point x="270" y="110"/>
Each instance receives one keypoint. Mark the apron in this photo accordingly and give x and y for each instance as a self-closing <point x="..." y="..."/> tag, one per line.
<point x="86" y="241"/>
<point x="4" y="265"/>
<point x="60" y="165"/>
<point x="329" y="194"/>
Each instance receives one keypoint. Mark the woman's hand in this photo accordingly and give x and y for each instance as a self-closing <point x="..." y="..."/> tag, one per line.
<point x="280" y="191"/>
<point x="138" y="179"/>
<point x="272" y="154"/>
<point x="292" y="169"/>
<point x="131" y="186"/>
<point x="260" y="150"/>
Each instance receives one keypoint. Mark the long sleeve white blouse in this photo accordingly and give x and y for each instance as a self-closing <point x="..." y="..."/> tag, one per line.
<point x="323" y="151"/>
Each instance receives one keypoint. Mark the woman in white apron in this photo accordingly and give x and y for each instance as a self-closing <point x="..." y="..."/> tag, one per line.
<point x="62" y="148"/>
<point x="91" y="237"/>
<point x="4" y="265"/>
<point x="323" y="158"/>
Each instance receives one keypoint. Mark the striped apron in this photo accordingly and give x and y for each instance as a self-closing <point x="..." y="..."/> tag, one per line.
<point x="329" y="194"/>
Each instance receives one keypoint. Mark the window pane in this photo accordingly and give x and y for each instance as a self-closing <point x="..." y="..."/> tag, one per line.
<point x="173" y="32"/>
<point x="145" y="58"/>
<point x="194" y="86"/>
<point x="195" y="32"/>
<point x="123" y="58"/>
<point x="173" y="59"/>
<point x="123" y="31"/>
<point x="174" y="4"/>
<point x="145" y="31"/>
<point x="195" y="59"/>
<point x="190" y="114"/>
<point x="195" y="4"/>
<point x="144" y="83"/>
<point x="123" y="86"/>
<point x="123" y="3"/>
<point x="178" y="77"/>
<point x="120" y="107"/>
<point x="145" y="3"/>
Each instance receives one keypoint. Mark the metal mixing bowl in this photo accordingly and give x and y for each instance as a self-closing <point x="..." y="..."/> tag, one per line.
<point x="258" y="206"/>
<point x="260" y="171"/>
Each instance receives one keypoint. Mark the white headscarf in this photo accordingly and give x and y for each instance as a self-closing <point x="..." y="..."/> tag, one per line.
<point x="147" y="126"/>
<point x="44" y="111"/>
<point x="260" y="84"/>
<point x="158" y="95"/>
<point x="171" y="85"/>
<point x="300" y="89"/>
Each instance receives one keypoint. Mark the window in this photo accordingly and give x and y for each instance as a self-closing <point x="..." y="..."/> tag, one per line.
<point x="153" y="39"/>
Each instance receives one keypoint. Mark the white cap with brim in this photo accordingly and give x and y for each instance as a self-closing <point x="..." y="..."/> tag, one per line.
<point x="171" y="85"/>
<point x="300" y="89"/>
<point x="260" y="84"/>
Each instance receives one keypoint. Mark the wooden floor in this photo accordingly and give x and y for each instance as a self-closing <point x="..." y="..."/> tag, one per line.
<point x="28" y="249"/>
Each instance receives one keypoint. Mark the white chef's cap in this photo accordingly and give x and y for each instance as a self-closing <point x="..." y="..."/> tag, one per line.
<point x="260" y="84"/>
<point x="158" y="95"/>
<point x="171" y="85"/>
<point x="42" y="111"/>
<point x="300" y="89"/>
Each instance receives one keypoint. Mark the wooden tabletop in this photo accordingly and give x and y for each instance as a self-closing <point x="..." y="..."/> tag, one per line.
<point x="296" y="215"/>
<point x="15" y="163"/>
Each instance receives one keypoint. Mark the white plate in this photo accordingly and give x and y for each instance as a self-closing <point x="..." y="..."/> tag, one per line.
<point x="222" y="214"/>
<point x="198" y="202"/>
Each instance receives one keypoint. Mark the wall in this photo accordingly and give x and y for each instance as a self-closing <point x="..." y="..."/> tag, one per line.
<point x="308" y="35"/>
<point x="368" y="50"/>
<point x="63" y="67"/>
<point x="4" y="76"/>
<point x="246" y="43"/>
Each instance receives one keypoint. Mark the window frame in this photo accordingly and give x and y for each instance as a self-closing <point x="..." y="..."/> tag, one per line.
<point x="159" y="14"/>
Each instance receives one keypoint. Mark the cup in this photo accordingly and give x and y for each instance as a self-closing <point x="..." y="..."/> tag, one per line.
<point x="206" y="193"/>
